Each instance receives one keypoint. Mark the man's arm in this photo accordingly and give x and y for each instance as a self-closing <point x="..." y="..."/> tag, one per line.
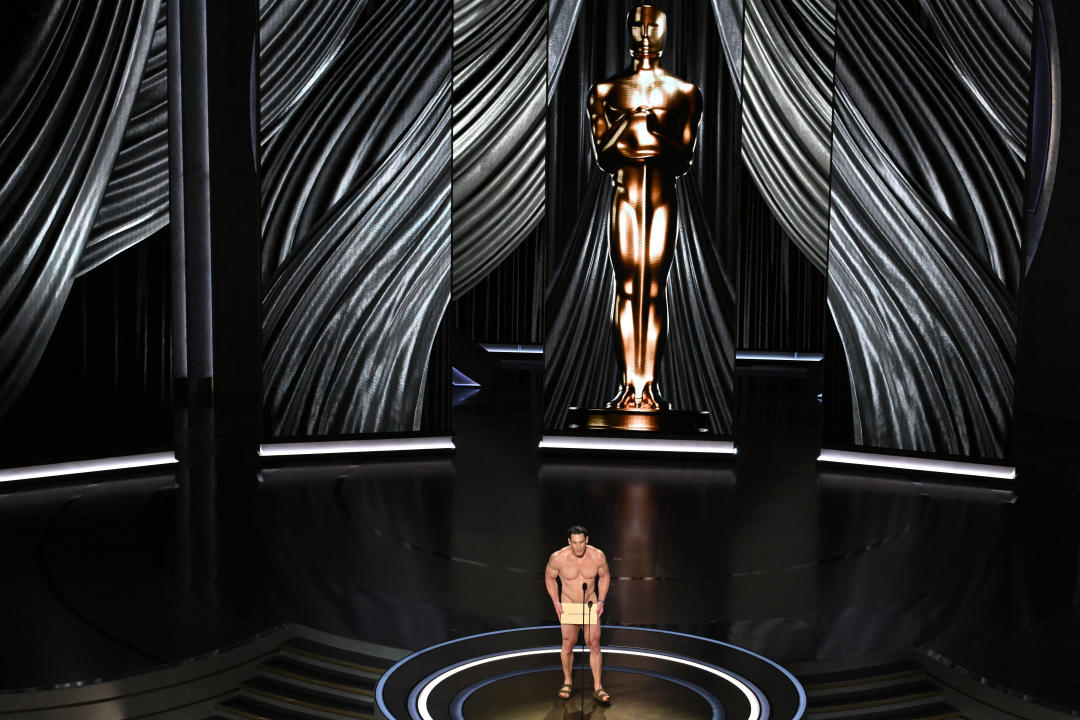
<point x="605" y="134"/>
<point x="551" y="574"/>
<point x="603" y="584"/>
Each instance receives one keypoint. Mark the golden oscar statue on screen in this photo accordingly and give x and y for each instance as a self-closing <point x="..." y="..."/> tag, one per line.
<point x="644" y="126"/>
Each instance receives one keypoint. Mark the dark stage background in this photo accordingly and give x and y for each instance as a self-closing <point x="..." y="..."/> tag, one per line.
<point x="108" y="351"/>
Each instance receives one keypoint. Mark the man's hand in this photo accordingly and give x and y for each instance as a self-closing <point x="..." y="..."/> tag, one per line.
<point x="558" y="609"/>
<point x="599" y="609"/>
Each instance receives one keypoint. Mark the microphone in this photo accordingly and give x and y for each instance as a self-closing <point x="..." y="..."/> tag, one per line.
<point x="584" y="633"/>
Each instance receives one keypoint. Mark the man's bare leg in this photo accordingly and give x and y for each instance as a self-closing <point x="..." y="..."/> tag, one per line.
<point x="592" y="638"/>
<point x="569" y="640"/>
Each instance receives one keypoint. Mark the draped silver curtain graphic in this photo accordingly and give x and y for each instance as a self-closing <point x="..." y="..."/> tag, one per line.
<point x="498" y="197"/>
<point x="356" y="234"/>
<point x="924" y="246"/>
<point x="787" y="114"/>
<point x="136" y="200"/>
<point x="64" y="120"/>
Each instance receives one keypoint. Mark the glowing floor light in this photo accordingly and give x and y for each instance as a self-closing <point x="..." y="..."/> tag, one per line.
<point x="372" y="445"/>
<point x="899" y="462"/>
<point x="79" y="467"/>
<point x="747" y="692"/>
<point x="713" y="447"/>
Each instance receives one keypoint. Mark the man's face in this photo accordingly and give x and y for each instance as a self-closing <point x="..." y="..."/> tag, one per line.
<point x="578" y="543"/>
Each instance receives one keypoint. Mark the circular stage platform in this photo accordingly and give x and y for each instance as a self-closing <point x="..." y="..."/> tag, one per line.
<point x="515" y="674"/>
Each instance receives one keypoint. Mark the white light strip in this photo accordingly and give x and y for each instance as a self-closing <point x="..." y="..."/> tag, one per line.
<point x="562" y="442"/>
<point x="329" y="447"/>
<point x="504" y="348"/>
<point x="755" y="706"/>
<point x="899" y="462"/>
<point x="785" y="356"/>
<point x="87" y="466"/>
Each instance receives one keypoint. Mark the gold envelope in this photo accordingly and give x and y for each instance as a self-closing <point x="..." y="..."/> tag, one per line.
<point x="572" y="614"/>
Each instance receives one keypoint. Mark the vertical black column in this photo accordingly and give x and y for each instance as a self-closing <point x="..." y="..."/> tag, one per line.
<point x="213" y="65"/>
<point x="213" y="122"/>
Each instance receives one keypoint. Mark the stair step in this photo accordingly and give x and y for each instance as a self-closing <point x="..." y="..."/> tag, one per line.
<point x="255" y="709"/>
<point x="339" y="656"/>
<point x="855" y="676"/>
<point x="309" y="697"/>
<point x="929" y="709"/>
<point x="297" y="669"/>
<point x="883" y="690"/>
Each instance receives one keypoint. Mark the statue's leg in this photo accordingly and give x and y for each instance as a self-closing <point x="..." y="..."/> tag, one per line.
<point x="624" y="249"/>
<point x="661" y="222"/>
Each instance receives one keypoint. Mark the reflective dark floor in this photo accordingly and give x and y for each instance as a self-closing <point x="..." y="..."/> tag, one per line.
<point x="765" y="551"/>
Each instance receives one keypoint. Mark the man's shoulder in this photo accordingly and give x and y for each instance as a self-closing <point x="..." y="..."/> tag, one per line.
<point x="558" y="555"/>
<point x="596" y="553"/>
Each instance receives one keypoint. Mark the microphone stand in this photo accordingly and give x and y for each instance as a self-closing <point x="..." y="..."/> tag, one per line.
<point x="584" y="590"/>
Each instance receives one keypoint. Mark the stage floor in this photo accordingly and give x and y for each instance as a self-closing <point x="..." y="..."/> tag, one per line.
<point x="763" y="550"/>
<point x="634" y="697"/>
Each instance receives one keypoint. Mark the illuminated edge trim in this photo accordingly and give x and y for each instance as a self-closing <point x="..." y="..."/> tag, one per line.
<point x="510" y="348"/>
<point x="379" y="687"/>
<point x="577" y="442"/>
<point x="79" y="467"/>
<point x="328" y="447"/>
<point x="513" y="349"/>
<point x="751" y="696"/>
<point x="781" y="356"/>
<point x="951" y="467"/>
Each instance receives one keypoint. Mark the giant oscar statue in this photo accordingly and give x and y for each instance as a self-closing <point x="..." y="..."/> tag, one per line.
<point x="644" y="125"/>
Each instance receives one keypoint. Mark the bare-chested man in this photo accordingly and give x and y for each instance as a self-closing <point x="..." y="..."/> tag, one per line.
<point x="573" y="566"/>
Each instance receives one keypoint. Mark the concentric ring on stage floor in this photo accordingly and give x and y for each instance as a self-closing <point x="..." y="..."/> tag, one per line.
<point x="648" y="671"/>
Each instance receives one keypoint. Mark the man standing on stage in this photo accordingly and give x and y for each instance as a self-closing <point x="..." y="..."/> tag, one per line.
<point x="582" y="570"/>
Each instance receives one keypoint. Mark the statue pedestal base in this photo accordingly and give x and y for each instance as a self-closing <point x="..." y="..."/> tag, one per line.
<point x="676" y="422"/>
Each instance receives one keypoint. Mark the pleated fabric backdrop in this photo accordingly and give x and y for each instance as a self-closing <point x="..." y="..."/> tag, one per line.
<point x="500" y="49"/>
<point x="83" y="152"/>
<point x="356" y="173"/>
<point x="787" y="82"/>
<point x="588" y="42"/>
<point x="929" y="152"/>
<point x="498" y="132"/>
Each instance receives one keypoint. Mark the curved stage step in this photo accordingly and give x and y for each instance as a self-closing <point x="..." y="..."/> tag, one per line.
<point x="907" y="685"/>
<point x="291" y="673"/>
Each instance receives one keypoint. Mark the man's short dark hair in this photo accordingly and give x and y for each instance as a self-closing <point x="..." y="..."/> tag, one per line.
<point x="577" y="530"/>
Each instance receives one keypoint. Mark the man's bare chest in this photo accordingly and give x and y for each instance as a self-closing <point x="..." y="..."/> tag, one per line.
<point x="578" y="570"/>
